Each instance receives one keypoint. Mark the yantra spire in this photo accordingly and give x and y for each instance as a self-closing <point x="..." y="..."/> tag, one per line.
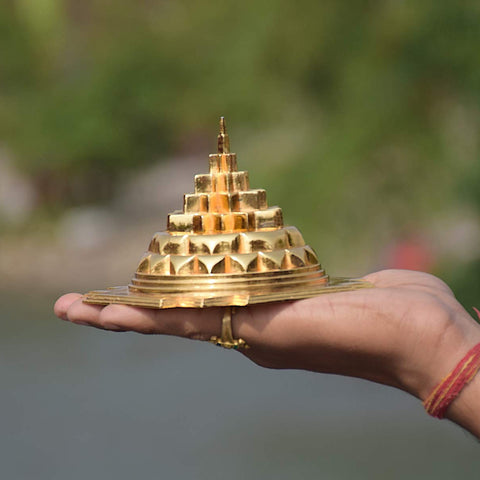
<point x="225" y="247"/>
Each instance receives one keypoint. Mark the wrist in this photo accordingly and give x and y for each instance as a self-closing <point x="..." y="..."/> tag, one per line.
<point x="449" y="379"/>
<point x="465" y="409"/>
<point x="439" y="351"/>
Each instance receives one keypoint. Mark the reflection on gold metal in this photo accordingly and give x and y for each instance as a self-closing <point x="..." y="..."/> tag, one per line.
<point x="225" y="247"/>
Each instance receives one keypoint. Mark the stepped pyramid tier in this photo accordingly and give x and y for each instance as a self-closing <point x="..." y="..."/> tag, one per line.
<point x="225" y="247"/>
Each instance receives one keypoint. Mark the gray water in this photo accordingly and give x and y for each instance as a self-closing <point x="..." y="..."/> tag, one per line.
<point x="79" y="403"/>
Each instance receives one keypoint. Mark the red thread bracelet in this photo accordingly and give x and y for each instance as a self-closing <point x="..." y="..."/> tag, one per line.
<point x="449" y="388"/>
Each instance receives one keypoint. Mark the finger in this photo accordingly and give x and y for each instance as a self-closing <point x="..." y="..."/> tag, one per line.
<point x="83" y="313"/>
<point x="198" y="324"/>
<point x="63" y="304"/>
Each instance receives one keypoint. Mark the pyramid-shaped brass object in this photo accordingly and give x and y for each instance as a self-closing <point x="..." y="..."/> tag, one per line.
<point x="227" y="247"/>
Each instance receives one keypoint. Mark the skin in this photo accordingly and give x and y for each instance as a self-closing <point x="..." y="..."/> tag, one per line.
<point x="408" y="332"/>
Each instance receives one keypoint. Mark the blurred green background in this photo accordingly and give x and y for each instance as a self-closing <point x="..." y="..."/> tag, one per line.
<point x="360" y="118"/>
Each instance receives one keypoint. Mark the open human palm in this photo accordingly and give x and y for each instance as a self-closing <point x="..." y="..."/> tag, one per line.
<point x="407" y="332"/>
<point x="385" y="334"/>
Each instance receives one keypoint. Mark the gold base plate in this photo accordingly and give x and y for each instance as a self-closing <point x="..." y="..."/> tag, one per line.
<point x="125" y="296"/>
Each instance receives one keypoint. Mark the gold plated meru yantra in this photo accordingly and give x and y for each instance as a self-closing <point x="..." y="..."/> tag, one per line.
<point x="227" y="247"/>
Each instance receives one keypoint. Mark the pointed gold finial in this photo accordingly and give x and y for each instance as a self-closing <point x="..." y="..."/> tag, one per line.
<point x="222" y="125"/>
<point x="223" y="141"/>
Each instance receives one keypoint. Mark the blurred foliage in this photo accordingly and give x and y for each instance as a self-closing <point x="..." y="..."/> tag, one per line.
<point x="368" y="110"/>
<point x="101" y="86"/>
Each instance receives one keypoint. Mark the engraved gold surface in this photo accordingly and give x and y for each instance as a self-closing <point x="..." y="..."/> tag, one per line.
<point x="226" y="247"/>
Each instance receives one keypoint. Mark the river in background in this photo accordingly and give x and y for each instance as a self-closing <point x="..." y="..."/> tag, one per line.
<point x="80" y="403"/>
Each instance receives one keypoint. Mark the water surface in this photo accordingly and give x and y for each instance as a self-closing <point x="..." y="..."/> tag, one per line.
<point x="80" y="403"/>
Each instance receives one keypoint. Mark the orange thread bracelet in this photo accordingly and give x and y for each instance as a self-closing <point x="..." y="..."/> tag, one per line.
<point x="449" y="388"/>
